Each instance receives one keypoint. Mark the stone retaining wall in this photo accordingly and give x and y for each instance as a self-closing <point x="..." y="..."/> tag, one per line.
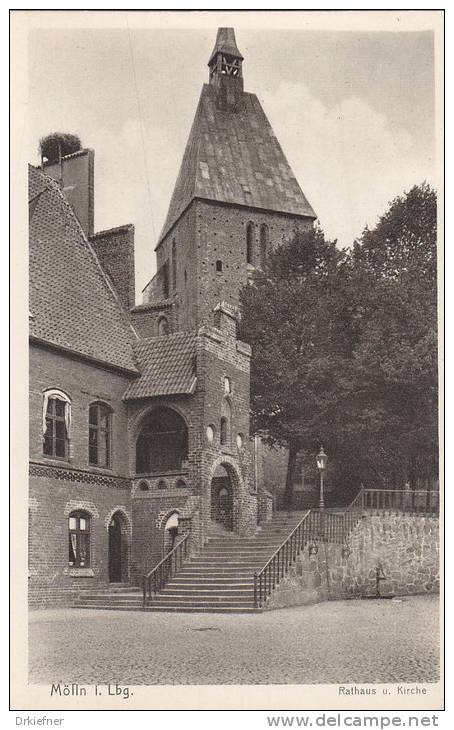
<point x="405" y="546"/>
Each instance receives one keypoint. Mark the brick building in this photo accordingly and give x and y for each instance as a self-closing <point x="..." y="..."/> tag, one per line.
<point x="139" y="415"/>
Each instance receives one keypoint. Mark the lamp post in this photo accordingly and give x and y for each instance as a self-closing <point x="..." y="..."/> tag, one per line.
<point x="321" y="466"/>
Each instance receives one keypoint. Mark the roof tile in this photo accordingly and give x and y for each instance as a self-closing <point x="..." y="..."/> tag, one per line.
<point x="167" y="364"/>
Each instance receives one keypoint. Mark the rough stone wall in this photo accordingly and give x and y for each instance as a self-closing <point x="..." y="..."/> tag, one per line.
<point x="115" y="251"/>
<point x="405" y="546"/>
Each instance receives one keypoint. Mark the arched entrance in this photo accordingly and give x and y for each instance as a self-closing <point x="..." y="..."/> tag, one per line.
<point x="118" y="548"/>
<point x="170" y="532"/>
<point x="222" y="498"/>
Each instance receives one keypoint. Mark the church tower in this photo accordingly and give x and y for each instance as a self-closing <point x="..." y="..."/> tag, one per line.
<point x="235" y="197"/>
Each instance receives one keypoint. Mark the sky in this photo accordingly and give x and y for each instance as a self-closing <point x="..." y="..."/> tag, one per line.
<point x="353" y="112"/>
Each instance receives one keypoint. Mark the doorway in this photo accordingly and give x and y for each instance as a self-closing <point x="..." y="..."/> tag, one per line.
<point x="117" y="549"/>
<point x="222" y="498"/>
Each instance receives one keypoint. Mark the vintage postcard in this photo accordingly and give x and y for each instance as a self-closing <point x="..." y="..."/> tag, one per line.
<point x="227" y="265"/>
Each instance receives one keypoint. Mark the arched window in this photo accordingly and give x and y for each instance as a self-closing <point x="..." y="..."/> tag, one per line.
<point x="144" y="487"/>
<point x="79" y="539"/>
<point x="181" y="484"/>
<point x="250" y="243"/>
<point x="165" y="280"/>
<point x="264" y="240"/>
<point x="162" y="484"/>
<point x="163" y="326"/>
<point x="163" y="442"/>
<point x="56" y="423"/>
<point x="174" y="264"/>
<point x="99" y="435"/>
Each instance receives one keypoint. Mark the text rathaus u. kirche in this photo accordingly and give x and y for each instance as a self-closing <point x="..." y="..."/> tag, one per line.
<point x="139" y="414"/>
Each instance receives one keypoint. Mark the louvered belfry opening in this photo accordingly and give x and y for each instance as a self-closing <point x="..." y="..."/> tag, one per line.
<point x="162" y="444"/>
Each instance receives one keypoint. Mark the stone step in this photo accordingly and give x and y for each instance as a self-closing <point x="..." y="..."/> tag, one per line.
<point x="202" y="609"/>
<point x="203" y="582"/>
<point x="207" y="602"/>
<point x="172" y="590"/>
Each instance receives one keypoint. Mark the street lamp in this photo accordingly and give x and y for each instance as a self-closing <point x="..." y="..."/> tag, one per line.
<point x="322" y="460"/>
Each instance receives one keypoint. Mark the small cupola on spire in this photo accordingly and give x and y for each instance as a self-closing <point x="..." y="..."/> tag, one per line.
<point x="225" y="66"/>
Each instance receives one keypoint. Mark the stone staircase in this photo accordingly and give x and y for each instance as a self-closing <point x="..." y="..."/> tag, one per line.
<point x="220" y="578"/>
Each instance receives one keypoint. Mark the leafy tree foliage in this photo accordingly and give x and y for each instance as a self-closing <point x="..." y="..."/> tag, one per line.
<point x="345" y="349"/>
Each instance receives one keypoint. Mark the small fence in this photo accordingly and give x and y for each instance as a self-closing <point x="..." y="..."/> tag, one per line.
<point x="401" y="500"/>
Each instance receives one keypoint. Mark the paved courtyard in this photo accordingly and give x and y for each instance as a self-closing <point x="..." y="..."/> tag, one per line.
<point x="335" y="642"/>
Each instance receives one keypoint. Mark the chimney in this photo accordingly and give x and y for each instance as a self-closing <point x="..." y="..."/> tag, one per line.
<point x="115" y="251"/>
<point x="76" y="174"/>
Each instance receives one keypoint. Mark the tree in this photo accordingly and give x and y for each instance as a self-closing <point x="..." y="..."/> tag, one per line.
<point x="345" y="348"/>
<point x="301" y="365"/>
<point x="397" y="349"/>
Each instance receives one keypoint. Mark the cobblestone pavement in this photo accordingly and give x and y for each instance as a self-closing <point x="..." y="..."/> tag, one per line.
<point x="336" y="642"/>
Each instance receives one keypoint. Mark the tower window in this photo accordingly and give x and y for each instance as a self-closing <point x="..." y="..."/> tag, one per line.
<point x="218" y="266"/>
<point x="174" y="264"/>
<point x="163" y="326"/>
<point x="250" y="243"/>
<point x="264" y="240"/>
<point x="165" y="281"/>
<point x="223" y="431"/>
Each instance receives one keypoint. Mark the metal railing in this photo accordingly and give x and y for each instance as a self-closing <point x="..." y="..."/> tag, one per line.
<point x="156" y="579"/>
<point x="402" y="500"/>
<point x="314" y="528"/>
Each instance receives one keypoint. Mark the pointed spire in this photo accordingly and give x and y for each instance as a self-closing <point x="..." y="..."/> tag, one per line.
<point x="225" y="43"/>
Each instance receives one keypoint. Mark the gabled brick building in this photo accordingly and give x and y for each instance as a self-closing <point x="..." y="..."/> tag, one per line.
<point x="139" y="415"/>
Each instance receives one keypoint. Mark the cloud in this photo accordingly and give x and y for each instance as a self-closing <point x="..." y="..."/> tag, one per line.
<point x="348" y="160"/>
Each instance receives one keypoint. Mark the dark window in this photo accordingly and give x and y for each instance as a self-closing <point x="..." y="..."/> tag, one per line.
<point x="174" y="264"/>
<point x="99" y="435"/>
<point x="162" y="484"/>
<point x="79" y="539"/>
<point x="163" y="442"/>
<point x="165" y="281"/>
<point x="218" y="265"/>
<point x="143" y="486"/>
<point x="181" y="484"/>
<point x="56" y="435"/>
<point x="163" y="326"/>
<point x="223" y="431"/>
<point x="250" y="243"/>
<point x="264" y="238"/>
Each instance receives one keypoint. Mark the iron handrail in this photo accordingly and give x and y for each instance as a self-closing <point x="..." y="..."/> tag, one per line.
<point x="164" y="570"/>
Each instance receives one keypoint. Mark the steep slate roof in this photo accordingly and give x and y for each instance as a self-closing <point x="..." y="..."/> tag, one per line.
<point x="72" y="301"/>
<point x="225" y="43"/>
<point x="234" y="157"/>
<point x="167" y="364"/>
